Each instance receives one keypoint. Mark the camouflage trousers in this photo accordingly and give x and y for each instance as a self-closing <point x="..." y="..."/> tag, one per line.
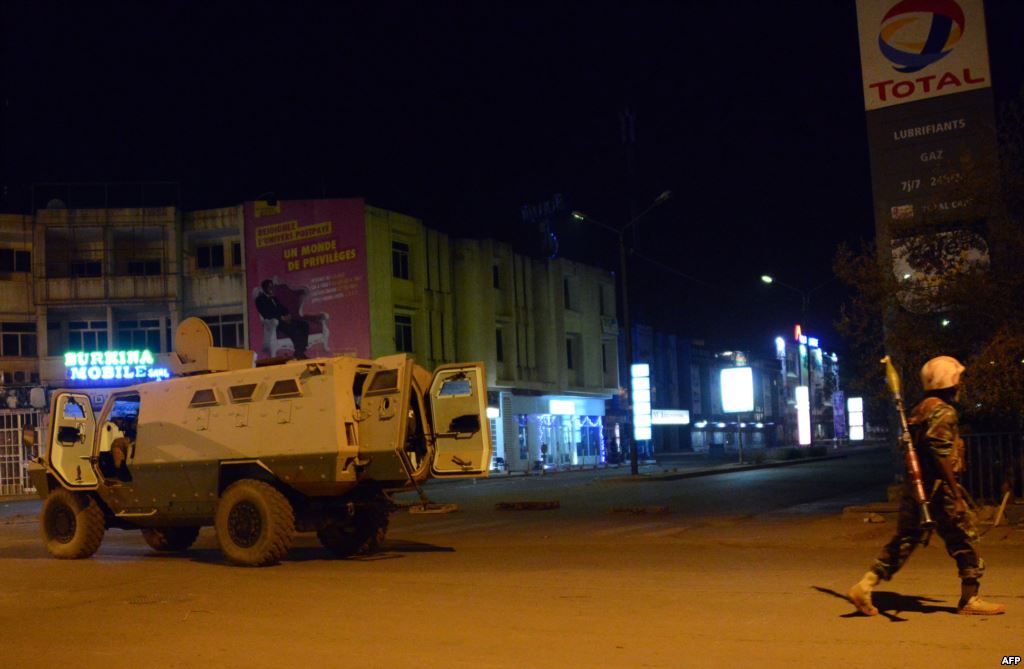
<point x="958" y="532"/>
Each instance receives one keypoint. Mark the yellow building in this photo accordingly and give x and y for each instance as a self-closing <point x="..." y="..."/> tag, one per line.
<point x="547" y="332"/>
<point x="121" y="279"/>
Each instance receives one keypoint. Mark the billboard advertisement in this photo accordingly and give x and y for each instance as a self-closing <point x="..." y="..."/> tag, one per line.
<point x="306" y="278"/>
<point x="918" y="49"/>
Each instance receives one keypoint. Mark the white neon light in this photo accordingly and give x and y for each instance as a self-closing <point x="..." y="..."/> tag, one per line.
<point x="562" y="407"/>
<point x="493" y="412"/>
<point x="737" y="389"/>
<point x="803" y="415"/>
<point x="640" y="381"/>
<point x="855" y="414"/>
<point x="780" y="347"/>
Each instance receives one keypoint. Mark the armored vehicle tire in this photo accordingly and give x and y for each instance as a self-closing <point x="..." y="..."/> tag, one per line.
<point x="364" y="533"/>
<point x="170" y="539"/>
<point x="254" y="524"/>
<point x="72" y="524"/>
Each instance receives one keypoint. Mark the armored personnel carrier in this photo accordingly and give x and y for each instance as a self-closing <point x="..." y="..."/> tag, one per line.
<point x="259" y="452"/>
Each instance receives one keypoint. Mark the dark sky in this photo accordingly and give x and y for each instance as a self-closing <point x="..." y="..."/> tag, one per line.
<point x="751" y="113"/>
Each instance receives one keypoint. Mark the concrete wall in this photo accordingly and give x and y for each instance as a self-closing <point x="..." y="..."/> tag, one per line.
<point x="426" y="296"/>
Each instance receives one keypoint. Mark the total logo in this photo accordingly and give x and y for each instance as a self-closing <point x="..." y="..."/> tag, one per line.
<point x="915" y="34"/>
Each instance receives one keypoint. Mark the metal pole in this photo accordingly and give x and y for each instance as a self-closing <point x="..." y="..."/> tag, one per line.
<point x="634" y="464"/>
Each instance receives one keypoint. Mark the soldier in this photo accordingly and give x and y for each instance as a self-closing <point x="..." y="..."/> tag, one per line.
<point x="934" y="427"/>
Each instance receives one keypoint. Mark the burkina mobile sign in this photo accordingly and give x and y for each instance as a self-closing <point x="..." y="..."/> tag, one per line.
<point x="914" y="50"/>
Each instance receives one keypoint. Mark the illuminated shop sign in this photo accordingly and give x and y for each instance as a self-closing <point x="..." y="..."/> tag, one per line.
<point x="737" y="389"/>
<point x="113" y="366"/>
<point x="670" y="417"/>
<point x="641" y="382"/>
<point x="803" y="415"/>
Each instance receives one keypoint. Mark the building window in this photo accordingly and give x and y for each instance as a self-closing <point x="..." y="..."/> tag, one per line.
<point x="138" y="250"/>
<point x="403" y="333"/>
<point x="74" y="252"/>
<point x="142" y="268"/>
<point x="495" y="276"/>
<point x="15" y="261"/>
<point x="570" y="363"/>
<point x="567" y="293"/>
<point x="210" y="256"/>
<point x="18" y="340"/>
<point x="85" y="268"/>
<point x="227" y="330"/>
<point x="139" y="335"/>
<point x="604" y="358"/>
<point x="499" y="346"/>
<point x="236" y="254"/>
<point x="87" y="336"/>
<point x="400" y="260"/>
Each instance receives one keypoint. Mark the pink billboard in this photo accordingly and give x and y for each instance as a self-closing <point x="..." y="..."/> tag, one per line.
<point x="305" y="265"/>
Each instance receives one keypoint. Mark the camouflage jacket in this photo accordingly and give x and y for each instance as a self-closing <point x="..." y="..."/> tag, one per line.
<point x="935" y="428"/>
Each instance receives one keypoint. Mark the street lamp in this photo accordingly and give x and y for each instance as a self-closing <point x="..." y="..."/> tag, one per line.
<point x="634" y="465"/>
<point x="805" y="302"/>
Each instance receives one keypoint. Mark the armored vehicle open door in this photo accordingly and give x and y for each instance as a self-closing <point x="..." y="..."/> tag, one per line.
<point x="72" y="436"/>
<point x="458" y="411"/>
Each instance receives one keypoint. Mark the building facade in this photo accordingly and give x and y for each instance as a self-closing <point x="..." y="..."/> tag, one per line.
<point x="547" y="332"/>
<point x="118" y="281"/>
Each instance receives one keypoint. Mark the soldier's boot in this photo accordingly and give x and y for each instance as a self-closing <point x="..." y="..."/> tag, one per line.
<point x="973" y="605"/>
<point x="860" y="594"/>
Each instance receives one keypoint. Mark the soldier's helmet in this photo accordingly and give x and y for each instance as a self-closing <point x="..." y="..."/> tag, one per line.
<point x="941" y="372"/>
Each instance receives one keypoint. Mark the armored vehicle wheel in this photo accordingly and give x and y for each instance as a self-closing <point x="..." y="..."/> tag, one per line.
<point x="254" y="524"/>
<point x="364" y="533"/>
<point x="72" y="524"/>
<point x="170" y="539"/>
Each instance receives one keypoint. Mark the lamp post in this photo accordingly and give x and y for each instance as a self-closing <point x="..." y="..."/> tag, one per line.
<point x="634" y="465"/>
<point x="805" y="303"/>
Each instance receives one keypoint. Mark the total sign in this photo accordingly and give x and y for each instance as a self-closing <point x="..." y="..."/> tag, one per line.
<point x="918" y="49"/>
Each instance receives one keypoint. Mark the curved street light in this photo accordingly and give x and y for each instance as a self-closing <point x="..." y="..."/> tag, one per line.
<point x="634" y="465"/>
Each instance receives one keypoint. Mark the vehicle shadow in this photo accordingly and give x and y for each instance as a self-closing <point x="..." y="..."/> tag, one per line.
<point x="889" y="604"/>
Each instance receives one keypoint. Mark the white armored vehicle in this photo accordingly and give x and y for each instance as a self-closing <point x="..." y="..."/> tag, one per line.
<point x="257" y="452"/>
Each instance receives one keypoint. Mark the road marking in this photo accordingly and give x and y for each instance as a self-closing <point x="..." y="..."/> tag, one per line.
<point x="458" y="528"/>
<point x="630" y="529"/>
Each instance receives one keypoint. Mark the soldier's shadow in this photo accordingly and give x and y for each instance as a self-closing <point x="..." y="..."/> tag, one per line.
<point x="890" y="604"/>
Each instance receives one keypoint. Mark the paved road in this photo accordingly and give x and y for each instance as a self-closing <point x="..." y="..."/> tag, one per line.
<point x="743" y="568"/>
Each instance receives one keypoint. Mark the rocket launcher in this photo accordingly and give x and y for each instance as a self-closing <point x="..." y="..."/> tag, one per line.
<point x="892" y="379"/>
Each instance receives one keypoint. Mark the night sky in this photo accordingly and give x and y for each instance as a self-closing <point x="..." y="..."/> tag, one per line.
<point x="751" y="113"/>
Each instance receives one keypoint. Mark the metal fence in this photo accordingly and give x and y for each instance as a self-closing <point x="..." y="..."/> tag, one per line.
<point x="13" y="474"/>
<point x="995" y="465"/>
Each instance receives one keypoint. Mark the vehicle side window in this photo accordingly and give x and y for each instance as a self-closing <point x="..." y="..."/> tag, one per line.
<point x="284" y="388"/>
<point x="243" y="393"/>
<point x="203" y="398"/>
<point x="73" y="410"/>
<point x="384" y="381"/>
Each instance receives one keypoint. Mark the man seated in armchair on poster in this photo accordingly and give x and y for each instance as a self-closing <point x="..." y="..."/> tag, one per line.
<point x="291" y="325"/>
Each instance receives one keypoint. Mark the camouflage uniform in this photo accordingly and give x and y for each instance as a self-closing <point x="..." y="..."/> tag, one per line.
<point x="934" y="426"/>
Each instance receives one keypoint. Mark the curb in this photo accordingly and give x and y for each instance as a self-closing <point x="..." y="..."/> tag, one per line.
<point x="723" y="469"/>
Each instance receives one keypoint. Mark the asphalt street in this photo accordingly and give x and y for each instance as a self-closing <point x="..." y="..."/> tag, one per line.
<point x="740" y="567"/>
